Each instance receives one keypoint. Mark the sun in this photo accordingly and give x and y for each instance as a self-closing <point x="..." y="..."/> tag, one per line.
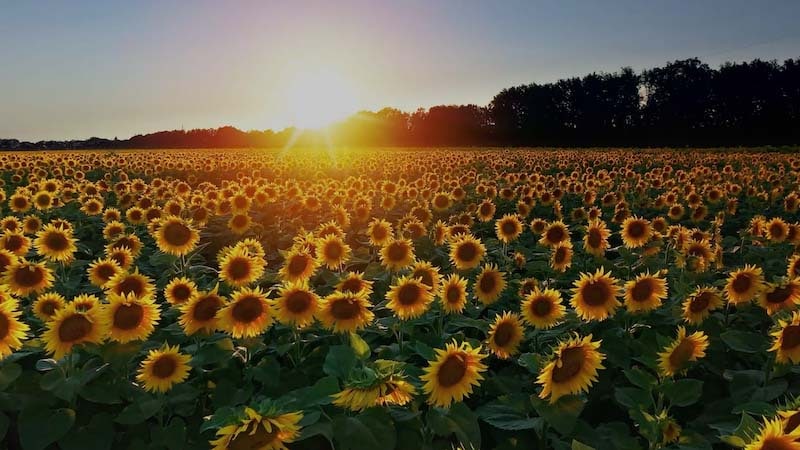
<point x="316" y="98"/>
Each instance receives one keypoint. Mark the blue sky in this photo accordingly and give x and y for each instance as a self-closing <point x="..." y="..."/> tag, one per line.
<point x="74" y="69"/>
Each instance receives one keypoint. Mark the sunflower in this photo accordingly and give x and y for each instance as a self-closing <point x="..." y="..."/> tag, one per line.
<point x="573" y="368"/>
<point x="595" y="295"/>
<point x="333" y="251"/>
<point x="489" y="284"/>
<point x="354" y="282"/>
<point x="12" y="330"/>
<point x="486" y="210"/>
<point x="684" y="349"/>
<point x="200" y="313"/>
<point x="792" y="269"/>
<point x="7" y="258"/>
<point x="379" y="232"/>
<point x="122" y="256"/>
<point x="24" y="277"/>
<point x="129" y="318"/>
<point x="543" y="308"/>
<point x="176" y="236"/>
<point x="180" y="290"/>
<point x="466" y="251"/>
<point x="246" y="315"/>
<point x="297" y="304"/>
<point x="345" y="312"/>
<point x="554" y="233"/>
<point x="15" y="242"/>
<point x="101" y="271"/>
<point x="778" y="296"/>
<point x="238" y="268"/>
<point x="163" y="368"/>
<point x="240" y="223"/>
<point x="790" y="420"/>
<point x="70" y="327"/>
<point x="699" y="305"/>
<point x="125" y="283"/>
<point x="299" y="265"/>
<point x="47" y="305"/>
<point x="85" y="302"/>
<point x="453" y="293"/>
<point x="636" y="232"/>
<point x="397" y="254"/>
<point x="561" y="256"/>
<point x="595" y="242"/>
<point x="505" y="335"/>
<point x="645" y="293"/>
<point x="129" y="241"/>
<point x="427" y="273"/>
<point x="787" y="340"/>
<point x="508" y="228"/>
<point x="409" y="298"/>
<point x="744" y="284"/>
<point x="453" y="374"/>
<point x="773" y="437"/>
<point x="55" y="244"/>
<point x="777" y="230"/>
<point x="392" y="390"/>
<point x="259" y="432"/>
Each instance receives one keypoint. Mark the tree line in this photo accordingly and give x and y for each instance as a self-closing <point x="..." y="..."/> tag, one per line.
<point x="683" y="103"/>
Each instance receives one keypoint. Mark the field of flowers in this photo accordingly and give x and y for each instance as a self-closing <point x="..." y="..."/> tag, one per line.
<point x="408" y="299"/>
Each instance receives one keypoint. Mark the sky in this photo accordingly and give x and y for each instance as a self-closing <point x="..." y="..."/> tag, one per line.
<point x="114" y="68"/>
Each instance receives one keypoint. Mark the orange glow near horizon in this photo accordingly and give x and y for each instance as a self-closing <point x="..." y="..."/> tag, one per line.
<point x="319" y="96"/>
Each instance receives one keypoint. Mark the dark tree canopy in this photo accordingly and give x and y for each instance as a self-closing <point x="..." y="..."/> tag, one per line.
<point x="683" y="103"/>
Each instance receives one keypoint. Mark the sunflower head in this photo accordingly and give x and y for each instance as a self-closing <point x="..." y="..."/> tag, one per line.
<point x="345" y="312"/>
<point x="543" y="308"/>
<point x="645" y="292"/>
<point x="70" y="327"/>
<point x="129" y="318"/>
<point x="505" y="335"/>
<point x="297" y="304"/>
<point x="683" y="350"/>
<point x="454" y="373"/>
<point x="595" y="295"/>
<point x="267" y="430"/>
<point x="397" y="254"/>
<point x="573" y="368"/>
<point x="163" y="368"/>
<point x="466" y="251"/>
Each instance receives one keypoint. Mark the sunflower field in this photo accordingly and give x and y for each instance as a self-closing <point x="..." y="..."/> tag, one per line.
<point x="400" y="299"/>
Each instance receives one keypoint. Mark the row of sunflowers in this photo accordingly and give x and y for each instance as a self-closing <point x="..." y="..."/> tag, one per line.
<point x="437" y="299"/>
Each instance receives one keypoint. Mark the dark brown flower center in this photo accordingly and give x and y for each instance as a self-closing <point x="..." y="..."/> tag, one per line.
<point x="504" y="333"/>
<point x="397" y="252"/>
<point x="206" y="308"/>
<point x="5" y="326"/>
<point x="239" y="268"/>
<point x="636" y="229"/>
<point x="452" y="371"/>
<point x="569" y="364"/>
<point x="742" y="283"/>
<point x="128" y="317"/>
<point x="409" y="294"/>
<point x="790" y="338"/>
<point x="596" y="293"/>
<point x="595" y="238"/>
<point x="487" y="283"/>
<point x="298" y="302"/>
<point x="131" y="285"/>
<point x="56" y="242"/>
<point x="29" y="276"/>
<point x="779" y="295"/>
<point x="681" y="354"/>
<point x="642" y="290"/>
<point x="181" y="293"/>
<point x="248" y="309"/>
<point x="345" y="309"/>
<point x="74" y="328"/>
<point x="700" y="302"/>
<point x="254" y="437"/>
<point x="555" y="235"/>
<point x="164" y="366"/>
<point x="177" y="234"/>
<point x="541" y="306"/>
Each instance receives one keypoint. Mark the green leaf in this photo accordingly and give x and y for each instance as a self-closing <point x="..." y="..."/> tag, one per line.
<point x="97" y="435"/>
<point x="683" y="392"/>
<point x="3" y="425"/>
<point x="370" y="429"/>
<point x="8" y="374"/>
<point x="632" y="397"/>
<point x="563" y="414"/>
<point x="744" y="341"/>
<point x="340" y="361"/>
<point x="640" y="378"/>
<point x="748" y="427"/>
<point x="458" y="420"/>
<point x="580" y="446"/>
<point x="139" y="411"/>
<point x="38" y="428"/>
<point x="505" y="417"/>
<point x="172" y="436"/>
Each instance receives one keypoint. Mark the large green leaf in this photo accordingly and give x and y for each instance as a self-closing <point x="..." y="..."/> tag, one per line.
<point x="38" y="428"/>
<point x="745" y="341"/>
<point x="683" y="392"/>
<point x="339" y="361"/>
<point x="98" y="434"/>
<point x="458" y="420"/>
<point x="561" y="415"/>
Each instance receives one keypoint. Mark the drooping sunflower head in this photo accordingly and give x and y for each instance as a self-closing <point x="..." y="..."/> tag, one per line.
<point x="453" y="374"/>
<point x="259" y="430"/>
<point x="25" y="277"/>
<point x="561" y="256"/>
<point x="238" y="268"/>
<point x="573" y="368"/>
<point x="781" y="295"/>
<point x="700" y="303"/>
<point x="409" y="297"/>
<point x="180" y="291"/>
<point x="176" y="236"/>
<point x="489" y="284"/>
<point x="397" y="254"/>
<point x="744" y="284"/>
<point x="505" y="335"/>
<point x="645" y="292"/>
<point x="543" y="308"/>
<point x="163" y="368"/>
<point x="345" y="312"/>
<point x="786" y="340"/>
<point x="129" y="318"/>
<point x="247" y="314"/>
<point x="297" y="304"/>
<point x="70" y="327"/>
<point x="466" y="251"/>
<point x="683" y="350"/>
<point x="595" y="295"/>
